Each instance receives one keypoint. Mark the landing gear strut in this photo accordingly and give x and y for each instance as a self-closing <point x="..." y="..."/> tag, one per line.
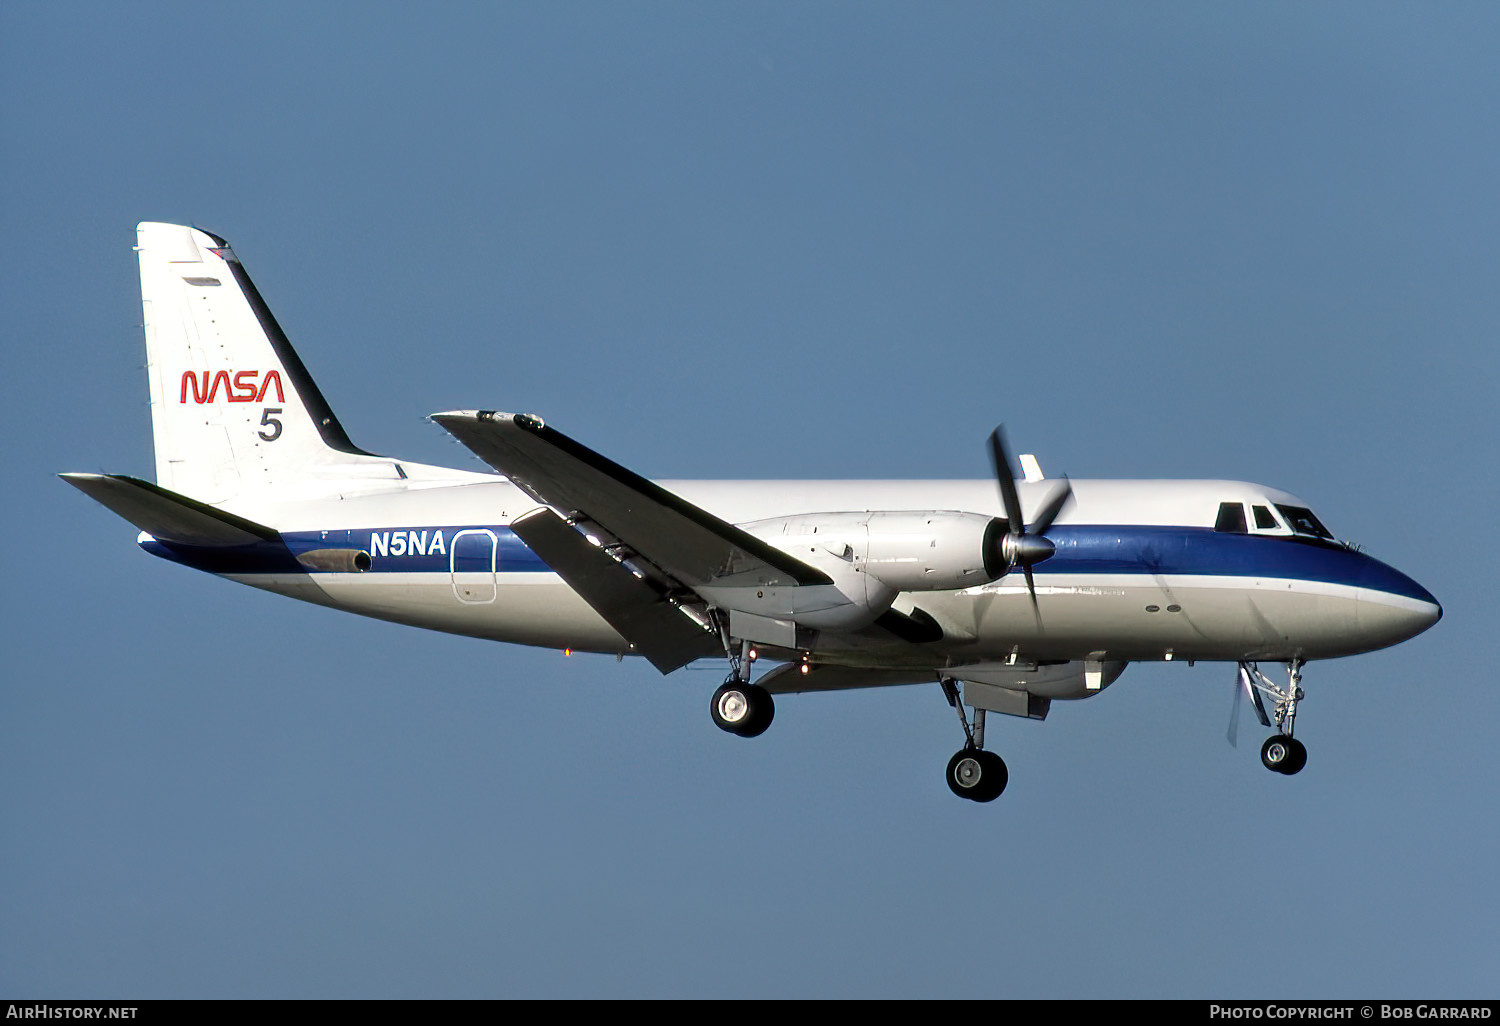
<point x="1281" y="752"/>
<point x="973" y="773"/>
<point x="740" y="707"/>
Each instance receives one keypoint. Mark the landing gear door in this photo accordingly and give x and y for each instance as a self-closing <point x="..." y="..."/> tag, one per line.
<point x="471" y="562"/>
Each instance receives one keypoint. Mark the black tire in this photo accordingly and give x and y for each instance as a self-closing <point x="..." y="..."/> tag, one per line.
<point x="762" y="711"/>
<point x="1283" y="754"/>
<point x="1297" y="759"/>
<point x="742" y="709"/>
<point x="977" y="776"/>
<point x="996" y="776"/>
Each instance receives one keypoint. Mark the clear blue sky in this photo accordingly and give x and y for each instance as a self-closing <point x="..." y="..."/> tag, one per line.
<point x="753" y="240"/>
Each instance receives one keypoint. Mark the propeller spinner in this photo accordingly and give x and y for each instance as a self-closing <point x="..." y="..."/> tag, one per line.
<point x="1020" y="546"/>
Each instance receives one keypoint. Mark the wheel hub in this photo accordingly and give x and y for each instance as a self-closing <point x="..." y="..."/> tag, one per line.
<point x="968" y="772"/>
<point x="733" y="706"/>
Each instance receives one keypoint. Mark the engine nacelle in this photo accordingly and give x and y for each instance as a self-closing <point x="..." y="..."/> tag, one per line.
<point x="933" y="550"/>
<point x="869" y="558"/>
<point x="853" y="600"/>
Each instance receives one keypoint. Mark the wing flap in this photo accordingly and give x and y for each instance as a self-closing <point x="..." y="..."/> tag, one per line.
<point x="689" y="544"/>
<point x="167" y="516"/>
<point x="634" y="607"/>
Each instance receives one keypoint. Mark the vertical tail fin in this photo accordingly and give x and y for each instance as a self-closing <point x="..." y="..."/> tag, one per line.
<point x="233" y="409"/>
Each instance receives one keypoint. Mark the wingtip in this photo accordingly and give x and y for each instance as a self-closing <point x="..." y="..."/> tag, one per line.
<point x="526" y="420"/>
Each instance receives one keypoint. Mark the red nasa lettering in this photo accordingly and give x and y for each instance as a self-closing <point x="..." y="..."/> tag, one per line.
<point x="241" y="388"/>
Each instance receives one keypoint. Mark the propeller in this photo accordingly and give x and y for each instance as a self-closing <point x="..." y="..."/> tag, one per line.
<point x="1020" y="547"/>
<point x="1241" y="685"/>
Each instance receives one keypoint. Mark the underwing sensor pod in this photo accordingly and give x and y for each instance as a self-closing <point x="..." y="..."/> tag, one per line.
<point x="1001" y="595"/>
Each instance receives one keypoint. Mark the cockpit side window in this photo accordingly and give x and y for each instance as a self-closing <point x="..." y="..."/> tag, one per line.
<point x="1231" y="518"/>
<point x="1264" y="520"/>
<point x="1302" y="521"/>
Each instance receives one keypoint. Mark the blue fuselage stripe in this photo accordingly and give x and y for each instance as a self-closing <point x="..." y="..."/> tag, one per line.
<point x="1080" y="550"/>
<point x="1200" y="552"/>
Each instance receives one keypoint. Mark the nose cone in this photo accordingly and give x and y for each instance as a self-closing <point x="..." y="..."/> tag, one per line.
<point x="1392" y="607"/>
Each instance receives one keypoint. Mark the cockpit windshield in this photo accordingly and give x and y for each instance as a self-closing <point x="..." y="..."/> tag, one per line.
<point x="1302" y="521"/>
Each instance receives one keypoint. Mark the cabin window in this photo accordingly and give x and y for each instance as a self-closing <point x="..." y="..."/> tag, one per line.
<point x="1302" y="521"/>
<point x="1264" y="520"/>
<point x="1231" y="518"/>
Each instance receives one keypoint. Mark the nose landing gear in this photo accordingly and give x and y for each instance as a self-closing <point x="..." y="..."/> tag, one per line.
<point x="1281" y="752"/>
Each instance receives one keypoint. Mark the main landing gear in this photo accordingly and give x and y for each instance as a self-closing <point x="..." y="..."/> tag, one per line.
<point x="973" y="773"/>
<point x="1281" y="752"/>
<point x="740" y="707"/>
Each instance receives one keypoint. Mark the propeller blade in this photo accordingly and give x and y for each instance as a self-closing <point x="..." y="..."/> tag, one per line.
<point x="1054" y="505"/>
<point x="1005" y="477"/>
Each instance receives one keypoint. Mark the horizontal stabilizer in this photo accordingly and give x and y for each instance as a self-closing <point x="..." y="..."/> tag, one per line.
<point x="658" y="630"/>
<point x="687" y="543"/>
<point x="167" y="516"/>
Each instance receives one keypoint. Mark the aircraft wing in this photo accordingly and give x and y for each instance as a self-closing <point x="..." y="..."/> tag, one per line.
<point x="686" y="545"/>
<point x="641" y="610"/>
<point x="636" y="552"/>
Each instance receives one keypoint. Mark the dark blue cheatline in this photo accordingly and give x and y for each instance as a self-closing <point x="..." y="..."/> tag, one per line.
<point x="1177" y="551"/>
<point x="1194" y="551"/>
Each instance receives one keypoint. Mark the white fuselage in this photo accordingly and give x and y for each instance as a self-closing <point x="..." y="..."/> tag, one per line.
<point x="1139" y="573"/>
